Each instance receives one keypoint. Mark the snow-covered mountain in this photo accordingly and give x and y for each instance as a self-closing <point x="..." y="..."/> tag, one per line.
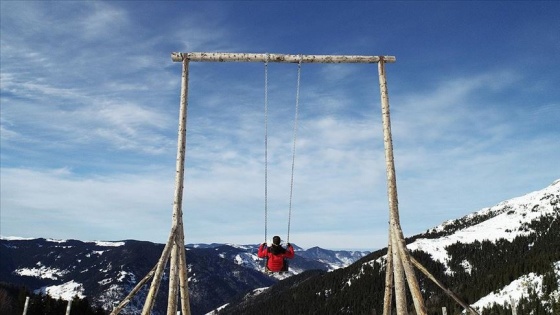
<point x="506" y="220"/>
<point x="105" y="272"/>
<point x="508" y="253"/>
<point x="509" y="220"/>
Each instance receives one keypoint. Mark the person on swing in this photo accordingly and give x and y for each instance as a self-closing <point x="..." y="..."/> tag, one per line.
<point x="276" y="254"/>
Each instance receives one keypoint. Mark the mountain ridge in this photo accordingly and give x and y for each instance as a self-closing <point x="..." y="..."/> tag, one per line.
<point x="105" y="271"/>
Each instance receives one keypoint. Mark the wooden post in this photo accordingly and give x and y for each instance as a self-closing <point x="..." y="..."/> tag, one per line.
<point x="137" y="288"/>
<point x="450" y="293"/>
<point x="154" y="287"/>
<point x="398" y="276"/>
<point x="173" y="280"/>
<point x="513" y="305"/>
<point x="388" y="296"/>
<point x="26" y="305"/>
<point x="178" y="204"/>
<point x="68" y="307"/>
<point x="178" y="265"/>
<point x="183" y="279"/>
<point x="176" y="240"/>
<point x="398" y="243"/>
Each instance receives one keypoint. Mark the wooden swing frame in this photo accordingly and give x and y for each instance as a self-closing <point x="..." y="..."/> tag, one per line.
<point x="399" y="262"/>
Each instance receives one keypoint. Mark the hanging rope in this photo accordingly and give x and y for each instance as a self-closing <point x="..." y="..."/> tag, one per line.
<point x="265" y="147"/>
<point x="294" y="147"/>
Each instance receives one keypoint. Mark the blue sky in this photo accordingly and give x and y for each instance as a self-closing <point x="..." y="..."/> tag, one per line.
<point x="89" y="114"/>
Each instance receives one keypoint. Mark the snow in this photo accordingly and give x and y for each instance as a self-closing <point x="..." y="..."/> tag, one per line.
<point x="42" y="272"/>
<point x="216" y="311"/>
<point x="66" y="291"/>
<point x="52" y="240"/>
<point x="326" y="293"/>
<point x="345" y="260"/>
<point x="105" y="281"/>
<point x="512" y="292"/>
<point x="15" y="238"/>
<point x="258" y="291"/>
<point x="239" y="260"/>
<point x="123" y="274"/>
<point x="255" y="292"/>
<point x="509" y="218"/>
<point x="108" y="244"/>
<point x="556" y="294"/>
<point x="557" y="271"/>
<point x="244" y="247"/>
<point x="467" y="266"/>
<point x="95" y="252"/>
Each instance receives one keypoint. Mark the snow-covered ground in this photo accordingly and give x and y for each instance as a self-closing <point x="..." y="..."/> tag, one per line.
<point x="513" y="292"/>
<point x="66" y="291"/>
<point x="41" y="271"/>
<point x="510" y="217"/>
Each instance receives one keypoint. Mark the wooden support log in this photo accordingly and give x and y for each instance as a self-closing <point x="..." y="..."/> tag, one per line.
<point x="398" y="275"/>
<point x="178" y="272"/>
<point x="178" y="204"/>
<point x="513" y="305"/>
<point x="411" y="277"/>
<point x="183" y="276"/>
<point x="399" y="279"/>
<point x="154" y="287"/>
<point x="132" y="293"/>
<point x="388" y="296"/>
<point x="398" y="243"/>
<point x="69" y="307"/>
<point x="466" y="306"/>
<point x="249" y="57"/>
<point x="173" y="279"/>
<point x="26" y="305"/>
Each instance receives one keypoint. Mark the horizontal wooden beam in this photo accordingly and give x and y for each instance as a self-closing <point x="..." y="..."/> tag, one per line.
<point x="244" y="57"/>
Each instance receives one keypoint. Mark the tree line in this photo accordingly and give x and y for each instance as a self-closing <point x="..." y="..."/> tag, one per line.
<point x="13" y="297"/>
<point x="358" y="289"/>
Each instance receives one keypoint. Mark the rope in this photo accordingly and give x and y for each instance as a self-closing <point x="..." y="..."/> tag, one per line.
<point x="265" y="147"/>
<point x="294" y="147"/>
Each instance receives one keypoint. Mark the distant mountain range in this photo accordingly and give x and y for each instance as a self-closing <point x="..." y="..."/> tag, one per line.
<point x="508" y="253"/>
<point x="105" y="272"/>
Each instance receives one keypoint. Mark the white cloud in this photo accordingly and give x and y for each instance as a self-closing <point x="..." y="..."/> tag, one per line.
<point x="101" y="19"/>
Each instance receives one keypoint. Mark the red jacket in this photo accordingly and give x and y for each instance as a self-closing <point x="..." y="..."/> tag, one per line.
<point x="275" y="262"/>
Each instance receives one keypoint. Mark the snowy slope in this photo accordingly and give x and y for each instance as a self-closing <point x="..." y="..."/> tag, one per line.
<point x="513" y="292"/>
<point x="506" y="220"/>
